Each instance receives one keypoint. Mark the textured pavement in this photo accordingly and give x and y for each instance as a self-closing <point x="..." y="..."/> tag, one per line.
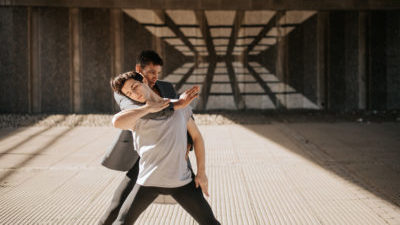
<point x="278" y="173"/>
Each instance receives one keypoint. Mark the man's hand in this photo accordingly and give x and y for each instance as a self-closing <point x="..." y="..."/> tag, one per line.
<point x="155" y="106"/>
<point x="202" y="181"/>
<point x="187" y="97"/>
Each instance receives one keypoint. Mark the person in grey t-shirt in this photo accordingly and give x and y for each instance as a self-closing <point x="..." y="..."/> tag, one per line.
<point x="161" y="145"/>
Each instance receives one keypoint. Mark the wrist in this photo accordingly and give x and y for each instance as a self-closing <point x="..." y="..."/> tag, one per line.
<point x="147" y="108"/>
<point x="201" y="172"/>
<point x="177" y="105"/>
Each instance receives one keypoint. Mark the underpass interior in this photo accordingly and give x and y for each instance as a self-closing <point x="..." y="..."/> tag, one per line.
<point x="335" y="162"/>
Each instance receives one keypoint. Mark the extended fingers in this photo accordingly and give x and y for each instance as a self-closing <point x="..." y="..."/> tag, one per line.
<point x="204" y="188"/>
<point x="193" y="90"/>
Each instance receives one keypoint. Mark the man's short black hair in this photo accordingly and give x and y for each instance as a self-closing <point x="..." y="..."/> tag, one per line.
<point x="149" y="56"/>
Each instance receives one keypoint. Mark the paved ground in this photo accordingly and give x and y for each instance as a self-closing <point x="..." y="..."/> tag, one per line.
<point x="278" y="173"/>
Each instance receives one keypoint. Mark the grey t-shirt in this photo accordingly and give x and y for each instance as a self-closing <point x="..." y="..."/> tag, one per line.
<point x="162" y="145"/>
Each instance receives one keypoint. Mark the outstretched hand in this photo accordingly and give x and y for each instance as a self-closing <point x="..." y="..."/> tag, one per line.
<point x="156" y="106"/>
<point x="187" y="97"/>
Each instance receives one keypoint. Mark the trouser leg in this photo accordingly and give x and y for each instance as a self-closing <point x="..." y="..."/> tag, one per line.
<point x="193" y="201"/>
<point x="120" y="194"/>
<point x="136" y="202"/>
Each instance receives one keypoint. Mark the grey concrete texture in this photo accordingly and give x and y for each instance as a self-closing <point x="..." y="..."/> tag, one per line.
<point x="274" y="62"/>
<point x="137" y="39"/>
<point x="278" y="173"/>
<point x="96" y="61"/>
<point x="14" y="85"/>
<point x="392" y="54"/>
<point x="54" y="59"/>
<point x="217" y="4"/>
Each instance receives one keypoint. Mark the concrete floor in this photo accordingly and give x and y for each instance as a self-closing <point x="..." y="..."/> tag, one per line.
<point x="278" y="173"/>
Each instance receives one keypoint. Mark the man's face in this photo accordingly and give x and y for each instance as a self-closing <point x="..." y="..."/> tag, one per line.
<point x="135" y="90"/>
<point x="150" y="73"/>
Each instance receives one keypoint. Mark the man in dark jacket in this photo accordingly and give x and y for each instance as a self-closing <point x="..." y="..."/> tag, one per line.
<point x="121" y="156"/>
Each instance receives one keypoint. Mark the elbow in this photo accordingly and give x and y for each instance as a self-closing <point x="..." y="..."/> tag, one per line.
<point x="116" y="122"/>
<point x="119" y="123"/>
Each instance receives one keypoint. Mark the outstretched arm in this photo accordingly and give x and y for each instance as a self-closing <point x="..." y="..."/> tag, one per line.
<point x="199" y="150"/>
<point x="126" y="119"/>
<point x="186" y="97"/>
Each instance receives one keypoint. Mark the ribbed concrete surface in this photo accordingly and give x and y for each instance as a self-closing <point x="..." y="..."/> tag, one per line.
<point x="314" y="173"/>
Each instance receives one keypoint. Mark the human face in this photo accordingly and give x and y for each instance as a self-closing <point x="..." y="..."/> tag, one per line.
<point x="150" y="72"/>
<point x="135" y="90"/>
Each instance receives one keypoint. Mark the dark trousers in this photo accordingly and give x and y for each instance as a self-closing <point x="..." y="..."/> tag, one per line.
<point x="120" y="194"/>
<point x="125" y="200"/>
<point x="188" y="196"/>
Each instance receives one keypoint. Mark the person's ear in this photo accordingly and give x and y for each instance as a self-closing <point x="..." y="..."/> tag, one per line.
<point x="138" y="68"/>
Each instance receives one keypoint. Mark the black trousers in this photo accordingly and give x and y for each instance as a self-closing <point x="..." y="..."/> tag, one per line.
<point x="132" y="199"/>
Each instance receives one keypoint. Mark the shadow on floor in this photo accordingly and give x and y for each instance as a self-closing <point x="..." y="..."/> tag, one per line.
<point x="38" y="151"/>
<point x="377" y="173"/>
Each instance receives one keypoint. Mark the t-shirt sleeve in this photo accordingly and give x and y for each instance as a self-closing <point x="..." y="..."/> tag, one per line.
<point x="187" y="112"/>
<point x="124" y="102"/>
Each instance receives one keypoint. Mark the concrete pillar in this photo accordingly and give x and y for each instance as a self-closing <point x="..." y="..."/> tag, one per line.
<point x="75" y="64"/>
<point x="96" y="60"/>
<point x="377" y="61"/>
<point x="281" y="66"/>
<point x="392" y="59"/>
<point x="117" y="41"/>
<point x="117" y="44"/>
<point x="34" y="77"/>
<point x="322" y="28"/>
<point x="362" y="59"/>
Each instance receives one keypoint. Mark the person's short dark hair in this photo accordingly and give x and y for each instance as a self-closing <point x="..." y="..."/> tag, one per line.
<point x="148" y="56"/>
<point x="118" y="81"/>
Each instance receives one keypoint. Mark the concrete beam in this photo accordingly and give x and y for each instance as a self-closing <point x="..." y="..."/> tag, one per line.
<point x="171" y="24"/>
<point x="234" y="85"/>
<point x="205" y="31"/>
<point x="216" y="5"/>
<point x="267" y="90"/>
<point x="184" y="78"/>
<point x="205" y="90"/>
<point x="235" y="31"/>
<point x="267" y="27"/>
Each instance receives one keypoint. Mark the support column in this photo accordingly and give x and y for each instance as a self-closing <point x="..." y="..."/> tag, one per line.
<point x="362" y="60"/>
<point x="75" y="65"/>
<point x="117" y="46"/>
<point x="322" y="25"/>
<point x="34" y="66"/>
<point x="281" y="66"/>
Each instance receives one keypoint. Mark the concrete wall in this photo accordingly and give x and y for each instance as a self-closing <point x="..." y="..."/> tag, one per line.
<point x="137" y="38"/>
<point x="377" y="82"/>
<point x="61" y="59"/>
<point x="302" y="57"/>
<point x="96" y="60"/>
<point x="54" y="59"/>
<point x="393" y="59"/>
<point x="14" y="73"/>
